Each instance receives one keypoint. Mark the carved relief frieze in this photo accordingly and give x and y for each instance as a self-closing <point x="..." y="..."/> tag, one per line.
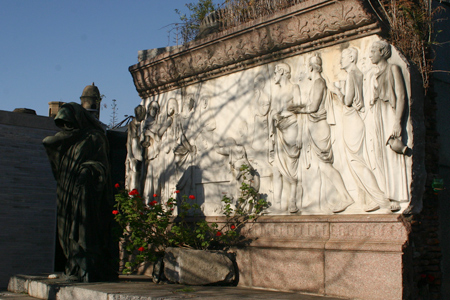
<point x="298" y="28"/>
<point x="321" y="133"/>
<point x="347" y="14"/>
<point x="315" y="106"/>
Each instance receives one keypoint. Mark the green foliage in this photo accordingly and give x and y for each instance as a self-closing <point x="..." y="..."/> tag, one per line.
<point x="411" y="30"/>
<point x="190" y="24"/>
<point x="148" y="229"/>
<point x="230" y="12"/>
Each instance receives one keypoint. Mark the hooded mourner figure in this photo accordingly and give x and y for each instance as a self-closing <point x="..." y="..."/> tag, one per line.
<point x="79" y="158"/>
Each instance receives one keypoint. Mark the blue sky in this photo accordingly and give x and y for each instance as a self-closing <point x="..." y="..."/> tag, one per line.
<point x="51" y="49"/>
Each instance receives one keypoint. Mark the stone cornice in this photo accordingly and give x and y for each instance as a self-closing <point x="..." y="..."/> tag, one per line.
<point x="305" y="27"/>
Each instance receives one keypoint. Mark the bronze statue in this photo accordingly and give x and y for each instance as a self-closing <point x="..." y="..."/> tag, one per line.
<point x="79" y="158"/>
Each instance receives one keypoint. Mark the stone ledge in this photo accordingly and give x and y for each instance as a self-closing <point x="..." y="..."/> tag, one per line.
<point x="337" y="232"/>
<point x="141" y="288"/>
<point x="388" y="218"/>
<point x="305" y="27"/>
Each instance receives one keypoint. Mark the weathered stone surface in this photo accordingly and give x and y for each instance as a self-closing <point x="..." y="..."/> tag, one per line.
<point x="198" y="267"/>
<point x="131" y="287"/>
<point x="288" y="269"/>
<point x="18" y="284"/>
<point x="363" y="275"/>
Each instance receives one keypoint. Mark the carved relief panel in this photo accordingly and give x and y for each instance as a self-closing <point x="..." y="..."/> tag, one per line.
<point x="326" y="132"/>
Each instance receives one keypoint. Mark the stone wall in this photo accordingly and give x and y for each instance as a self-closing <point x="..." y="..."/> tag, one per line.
<point x="28" y="201"/>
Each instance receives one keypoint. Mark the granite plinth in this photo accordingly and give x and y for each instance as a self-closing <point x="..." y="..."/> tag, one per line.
<point x="358" y="257"/>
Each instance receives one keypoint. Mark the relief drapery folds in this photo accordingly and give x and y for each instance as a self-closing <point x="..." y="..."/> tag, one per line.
<point x="324" y="132"/>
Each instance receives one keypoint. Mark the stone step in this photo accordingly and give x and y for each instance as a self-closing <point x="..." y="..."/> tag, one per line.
<point x="4" y="295"/>
<point x="23" y="287"/>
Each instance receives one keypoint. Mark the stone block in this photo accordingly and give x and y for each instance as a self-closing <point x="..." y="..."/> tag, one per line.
<point x="364" y="275"/>
<point x="360" y="257"/>
<point x="18" y="284"/>
<point x="198" y="267"/>
<point x="244" y="266"/>
<point x="288" y="269"/>
<point x="80" y="292"/>
<point x="41" y="290"/>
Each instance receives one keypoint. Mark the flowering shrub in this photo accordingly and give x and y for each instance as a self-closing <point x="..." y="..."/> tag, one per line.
<point x="148" y="229"/>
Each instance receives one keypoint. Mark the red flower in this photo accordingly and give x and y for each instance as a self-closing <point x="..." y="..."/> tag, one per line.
<point x="155" y="195"/>
<point x="133" y="193"/>
<point x="141" y="249"/>
<point x="115" y="212"/>
<point x="117" y="185"/>
<point x="233" y="227"/>
<point x="153" y="203"/>
<point x="177" y="192"/>
<point x="218" y="233"/>
<point x="192" y="197"/>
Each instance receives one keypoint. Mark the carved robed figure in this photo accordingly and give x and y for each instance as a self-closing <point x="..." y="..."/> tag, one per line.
<point x="79" y="159"/>
<point x="320" y="132"/>
<point x="135" y="155"/>
<point x="284" y="133"/>
<point x="351" y="96"/>
<point x="388" y="106"/>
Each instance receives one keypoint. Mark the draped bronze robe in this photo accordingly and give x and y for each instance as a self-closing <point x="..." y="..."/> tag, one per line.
<point x="79" y="158"/>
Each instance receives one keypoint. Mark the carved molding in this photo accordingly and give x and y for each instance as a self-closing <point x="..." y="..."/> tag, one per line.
<point x="305" y="27"/>
<point x="352" y="233"/>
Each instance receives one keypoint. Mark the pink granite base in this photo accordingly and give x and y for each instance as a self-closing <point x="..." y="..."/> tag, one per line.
<point x="288" y="269"/>
<point x="363" y="275"/>
<point x="244" y="265"/>
<point x="358" y="257"/>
